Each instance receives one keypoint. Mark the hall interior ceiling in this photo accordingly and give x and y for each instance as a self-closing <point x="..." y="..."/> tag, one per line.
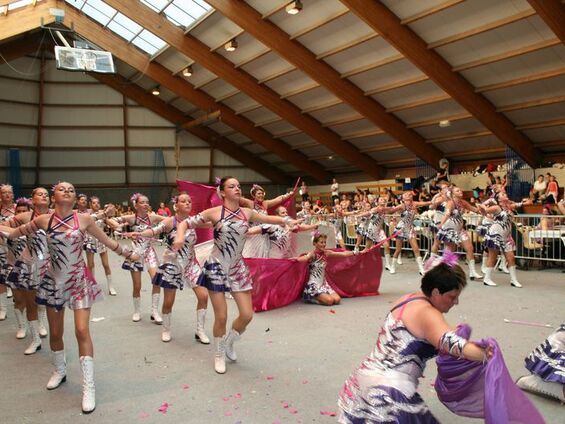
<point x="333" y="96"/>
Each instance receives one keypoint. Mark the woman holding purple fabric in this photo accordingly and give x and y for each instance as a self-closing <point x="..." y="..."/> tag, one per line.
<point x="384" y="387"/>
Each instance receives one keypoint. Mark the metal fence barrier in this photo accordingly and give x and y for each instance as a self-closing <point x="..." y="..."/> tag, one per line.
<point x="532" y="243"/>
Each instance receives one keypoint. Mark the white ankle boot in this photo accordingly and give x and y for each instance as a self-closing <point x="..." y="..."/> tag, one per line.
<point x="487" y="280"/>
<point x="136" y="309"/>
<point x="35" y="339"/>
<point x="9" y="293"/>
<point x="60" y="374"/>
<point x="43" y="323"/>
<point x="166" y="333"/>
<point x="387" y="261"/>
<point x="399" y="259"/>
<point x="155" y="317"/>
<point x="392" y="267"/>
<point x="200" y="334"/>
<point x="220" y="355"/>
<point x="88" y="389"/>
<point x="232" y="337"/>
<point x="503" y="267"/>
<point x="535" y="384"/>
<point x="472" y="271"/>
<point x="22" y="324"/>
<point x="420" y="263"/>
<point x="513" y="278"/>
<point x="484" y="264"/>
<point x="111" y="289"/>
<point x="3" y="306"/>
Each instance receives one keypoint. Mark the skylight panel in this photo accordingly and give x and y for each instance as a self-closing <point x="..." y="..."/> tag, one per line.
<point x="76" y="3"/>
<point x="127" y="23"/>
<point x="121" y="30"/>
<point x="191" y="7"/>
<point x="156" y="5"/>
<point x="148" y="42"/>
<point x="144" y="45"/>
<point x="99" y="11"/>
<point x="152" y="38"/>
<point x="177" y="16"/>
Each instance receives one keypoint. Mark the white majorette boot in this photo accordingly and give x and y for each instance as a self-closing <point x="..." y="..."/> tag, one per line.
<point x="200" y="334"/>
<point x="43" y="324"/>
<point x="392" y="267"/>
<point x="22" y="324"/>
<point x="232" y="337"/>
<point x="503" y="267"/>
<point x="136" y="309"/>
<point x="3" y="306"/>
<point x="535" y="384"/>
<point x="472" y="271"/>
<point x="420" y="264"/>
<point x="166" y="333"/>
<point x="155" y="317"/>
<point x="487" y="280"/>
<point x="387" y="261"/>
<point x="60" y="374"/>
<point x="399" y="259"/>
<point x="484" y="264"/>
<point x="9" y="293"/>
<point x="513" y="278"/>
<point x="220" y="355"/>
<point x="35" y="339"/>
<point x="88" y="389"/>
<point x="111" y="289"/>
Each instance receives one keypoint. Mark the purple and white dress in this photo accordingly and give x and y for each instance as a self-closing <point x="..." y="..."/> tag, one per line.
<point x="438" y="217"/>
<point x="67" y="282"/>
<point x="5" y="214"/>
<point x="375" y="230"/>
<point x="317" y="283"/>
<point x="548" y="359"/>
<point x="362" y="226"/>
<point x="405" y="226"/>
<point x="225" y="270"/>
<point x="142" y="247"/>
<point x="453" y="230"/>
<point x="178" y="268"/>
<point x="257" y="245"/>
<point x="33" y="263"/>
<point x="280" y="246"/>
<point x="384" y="387"/>
<point x="15" y="250"/>
<point x="499" y="233"/>
<point x="92" y="244"/>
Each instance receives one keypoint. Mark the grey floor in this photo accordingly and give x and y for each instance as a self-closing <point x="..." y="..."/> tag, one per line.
<point x="292" y="361"/>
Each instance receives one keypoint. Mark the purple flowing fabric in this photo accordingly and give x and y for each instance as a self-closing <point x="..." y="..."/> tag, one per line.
<point x="280" y="282"/>
<point x="276" y="282"/>
<point x="483" y="390"/>
<point x="203" y="197"/>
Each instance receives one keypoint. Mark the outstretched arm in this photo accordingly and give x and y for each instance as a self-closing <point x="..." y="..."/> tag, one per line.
<point x="277" y="200"/>
<point x="113" y="245"/>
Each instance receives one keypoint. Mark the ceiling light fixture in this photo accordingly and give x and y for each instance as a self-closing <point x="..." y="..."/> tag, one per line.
<point x="444" y="123"/>
<point x="187" y="71"/>
<point x="330" y="157"/>
<point x="294" y="7"/>
<point x="231" y="45"/>
<point x="156" y="91"/>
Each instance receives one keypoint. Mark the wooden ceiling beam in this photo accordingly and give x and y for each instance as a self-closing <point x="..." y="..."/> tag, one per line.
<point x="553" y="14"/>
<point x="22" y="46"/>
<point x="382" y="20"/>
<point x="245" y="82"/>
<point x="136" y="59"/>
<point x="174" y="115"/>
<point x="27" y="18"/>
<point x="272" y="36"/>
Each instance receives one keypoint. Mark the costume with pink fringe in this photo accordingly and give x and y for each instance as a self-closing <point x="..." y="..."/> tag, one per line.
<point x="178" y="268"/>
<point x="225" y="270"/>
<point x="317" y="283"/>
<point x="142" y="247"/>
<point x="405" y="227"/>
<point x="67" y="281"/>
<point x="548" y="359"/>
<point x="375" y="230"/>
<point x="33" y="263"/>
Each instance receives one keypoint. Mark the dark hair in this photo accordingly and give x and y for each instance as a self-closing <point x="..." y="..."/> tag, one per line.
<point x="318" y="236"/>
<point x="36" y="189"/>
<point x="223" y="181"/>
<point x="444" y="278"/>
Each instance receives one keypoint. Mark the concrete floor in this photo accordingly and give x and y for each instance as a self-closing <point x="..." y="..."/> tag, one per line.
<point x="292" y="361"/>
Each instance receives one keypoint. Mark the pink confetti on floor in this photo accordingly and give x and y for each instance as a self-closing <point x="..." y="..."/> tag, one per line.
<point x="228" y="414"/>
<point x="304" y="381"/>
<point x="284" y="404"/>
<point x="237" y="396"/>
<point x="328" y="413"/>
<point x="226" y="398"/>
<point x="164" y="407"/>
<point x="332" y="311"/>
<point x="270" y="377"/>
<point x="293" y="411"/>
<point x="143" y="415"/>
<point x="185" y="386"/>
<point x="276" y="422"/>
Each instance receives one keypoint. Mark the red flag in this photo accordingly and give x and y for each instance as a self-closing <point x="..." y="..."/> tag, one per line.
<point x="289" y="203"/>
<point x="203" y="197"/>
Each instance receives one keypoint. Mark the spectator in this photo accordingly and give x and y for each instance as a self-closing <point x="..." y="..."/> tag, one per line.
<point x="303" y="191"/>
<point x="552" y="191"/>
<point x="163" y="210"/>
<point x="334" y="189"/>
<point x="539" y="188"/>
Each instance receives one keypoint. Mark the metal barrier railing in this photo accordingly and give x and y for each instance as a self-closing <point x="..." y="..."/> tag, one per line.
<point x="532" y="243"/>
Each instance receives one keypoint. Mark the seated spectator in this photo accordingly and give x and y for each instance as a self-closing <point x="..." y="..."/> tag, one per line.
<point x="539" y="189"/>
<point x="552" y="191"/>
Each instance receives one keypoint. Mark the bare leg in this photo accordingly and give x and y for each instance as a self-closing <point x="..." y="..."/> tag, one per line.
<point x="155" y="289"/>
<point x="31" y="306"/>
<point x="325" y="299"/>
<point x="201" y="297"/>
<point x="168" y="300"/>
<point x="56" y="321"/>
<point x="90" y="262"/>
<point x="105" y="263"/>
<point x="245" y="308"/>
<point x="82" y="332"/>
<point x="19" y="299"/>
<point x="136" y="280"/>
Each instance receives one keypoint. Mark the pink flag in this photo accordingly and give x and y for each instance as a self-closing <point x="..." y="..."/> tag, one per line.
<point x="203" y="197"/>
